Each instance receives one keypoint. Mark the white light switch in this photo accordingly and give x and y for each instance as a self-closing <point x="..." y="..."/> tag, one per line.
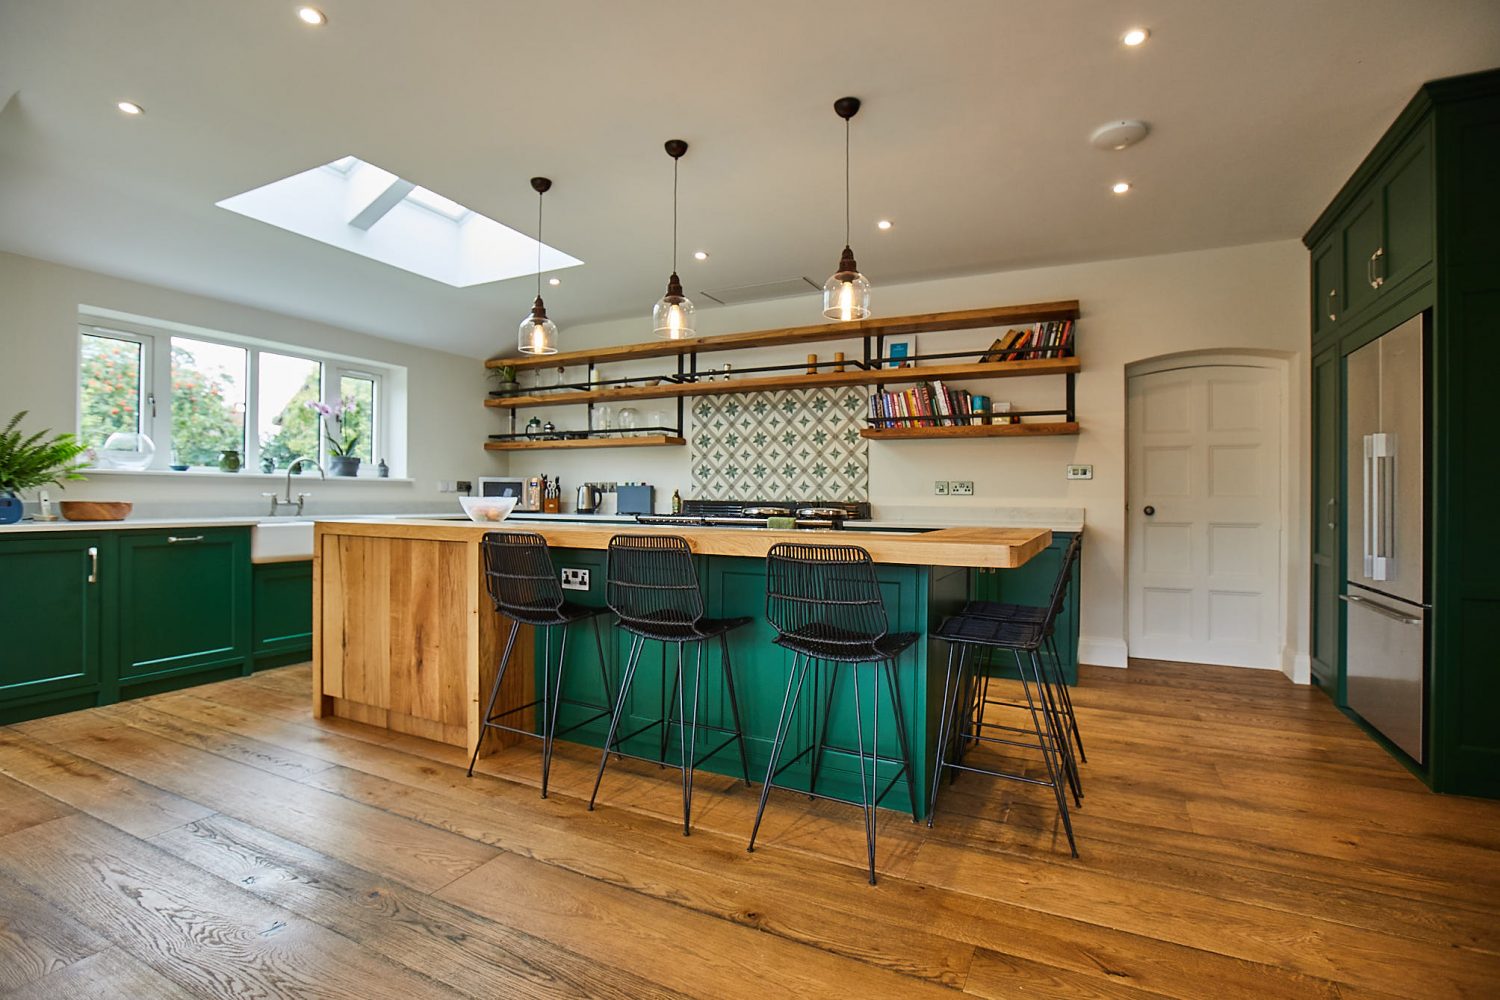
<point x="1080" y="472"/>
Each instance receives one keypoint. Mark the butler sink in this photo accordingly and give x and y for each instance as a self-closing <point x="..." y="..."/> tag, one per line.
<point x="281" y="541"/>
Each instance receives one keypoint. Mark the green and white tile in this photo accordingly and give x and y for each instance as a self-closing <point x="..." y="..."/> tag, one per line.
<point x="800" y="444"/>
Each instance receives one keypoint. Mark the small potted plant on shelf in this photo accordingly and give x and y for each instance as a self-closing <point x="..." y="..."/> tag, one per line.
<point x="505" y="380"/>
<point x="341" y="437"/>
<point x="29" y="462"/>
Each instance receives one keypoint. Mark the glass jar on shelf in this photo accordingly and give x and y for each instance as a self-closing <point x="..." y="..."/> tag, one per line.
<point x="627" y="421"/>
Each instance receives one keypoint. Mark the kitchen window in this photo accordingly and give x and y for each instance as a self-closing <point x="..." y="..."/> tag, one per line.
<point x="199" y="396"/>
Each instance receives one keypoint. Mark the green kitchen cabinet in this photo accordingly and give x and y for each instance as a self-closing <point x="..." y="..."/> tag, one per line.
<point x="1328" y="285"/>
<point x="184" y="598"/>
<point x="52" y="620"/>
<point x="1327" y="521"/>
<point x="1416" y="227"/>
<point x="281" y="603"/>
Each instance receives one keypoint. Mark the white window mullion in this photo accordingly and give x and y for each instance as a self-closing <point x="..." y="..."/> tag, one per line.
<point x="156" y="385"/>
<point x="252" y="410"/>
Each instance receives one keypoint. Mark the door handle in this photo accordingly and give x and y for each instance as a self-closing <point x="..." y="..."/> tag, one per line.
<point x="1148" y="510"/>
<point x="1370" y="271"/>
<point x="93" y="564"/>
<point x="176" y="540"/>
<point x="1332" y="509"/>
<point x="1333" y="294"/>
<point x="1377" y="260"/>
<point x="1380" y="609"/>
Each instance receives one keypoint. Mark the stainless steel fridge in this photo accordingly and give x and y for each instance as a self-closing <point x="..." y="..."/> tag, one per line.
<point x="1385" y="583"/>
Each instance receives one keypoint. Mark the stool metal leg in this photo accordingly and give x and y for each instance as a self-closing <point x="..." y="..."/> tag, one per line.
<point x="734" y="707"/>
<point x="489" y="711"/>
<point x="632" y="661"/>
<point x="950" y="708"/>
<point x="1053" y="768"/>
<point x="668" y="709"/>
<point x="549" y="733"/>
<point x="1067" y="700"/>
<point x="820" y="724"/>
<point x="689" y="738"/>
<point x="865" y="797"/>
<point x="888" y="667"/>
<point x="609" y="691"/>
<point x="783" y="727"/>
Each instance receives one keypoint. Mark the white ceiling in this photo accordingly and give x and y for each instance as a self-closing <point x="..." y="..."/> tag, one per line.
<point x="973" y="138"/>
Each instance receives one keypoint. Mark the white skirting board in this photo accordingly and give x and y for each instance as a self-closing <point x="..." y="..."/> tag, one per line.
<point x="1296" y="665"/>
<point x="1101" y="652"/>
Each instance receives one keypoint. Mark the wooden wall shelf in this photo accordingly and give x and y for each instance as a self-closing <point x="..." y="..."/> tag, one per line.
<point x="646" y="441"/>
<point x="767" y="383"/>
<point x="970" y="431"/>
<point x="964" y="319"/>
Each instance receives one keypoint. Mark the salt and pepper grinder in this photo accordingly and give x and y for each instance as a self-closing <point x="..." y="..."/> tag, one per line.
<point x="838" y="361"/>
<point x="812" y="364"/>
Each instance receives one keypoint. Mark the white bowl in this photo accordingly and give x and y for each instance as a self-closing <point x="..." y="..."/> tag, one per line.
<point x="488" y="510"/>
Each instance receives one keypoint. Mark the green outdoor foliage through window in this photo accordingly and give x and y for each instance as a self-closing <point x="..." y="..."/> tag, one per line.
<point x="288" y="428"/>
<point x="109" y="386"/>
<point x="208" y="400"/>
<point x="361" y="393"/>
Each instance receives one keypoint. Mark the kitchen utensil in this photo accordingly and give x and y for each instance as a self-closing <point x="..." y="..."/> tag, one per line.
<point x="588" y="499"/>
<point x="95" y="510"/>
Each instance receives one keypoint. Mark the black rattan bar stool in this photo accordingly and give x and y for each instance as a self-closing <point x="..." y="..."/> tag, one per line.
<point x="1057" y="686"/>
<point x="524" y="586"/>
<point x="653" y="588"/>
<point x="970" y="634"/>
<point x="824" y="602"/>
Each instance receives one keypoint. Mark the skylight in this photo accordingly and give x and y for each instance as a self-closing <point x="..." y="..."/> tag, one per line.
<point x="356" y="206"/>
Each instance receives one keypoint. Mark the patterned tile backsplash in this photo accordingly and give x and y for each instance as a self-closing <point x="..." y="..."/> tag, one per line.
<point x="794" y="444"/>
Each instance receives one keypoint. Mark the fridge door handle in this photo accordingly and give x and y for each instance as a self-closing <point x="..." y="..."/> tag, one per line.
<point x="1367" y="521"/>
<point x="1380" y="609"/>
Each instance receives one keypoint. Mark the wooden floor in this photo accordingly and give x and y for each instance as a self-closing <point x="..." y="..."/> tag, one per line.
<point x="1239" y="838"/>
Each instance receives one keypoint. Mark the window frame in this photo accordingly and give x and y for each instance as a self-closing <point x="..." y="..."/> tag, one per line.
<point x="156" y="372"/>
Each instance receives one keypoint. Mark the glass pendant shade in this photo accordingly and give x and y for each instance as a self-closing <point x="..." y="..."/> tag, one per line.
<point x="846" y="294"/>
<point x="538" y="334"/>
<point x="673" y="316"/>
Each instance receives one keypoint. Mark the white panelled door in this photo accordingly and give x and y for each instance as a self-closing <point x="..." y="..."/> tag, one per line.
<point x="1204" y="516"/>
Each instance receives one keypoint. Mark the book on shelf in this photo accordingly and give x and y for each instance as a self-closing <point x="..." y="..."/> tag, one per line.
<point x="1053" y="339"/>
<point x="926" y="404"/>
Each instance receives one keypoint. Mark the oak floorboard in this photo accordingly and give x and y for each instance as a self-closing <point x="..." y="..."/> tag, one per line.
<point x="36" y="939"/>
<point x="112" y="974"/>
<point x="477" y="956"/>
<point x="210" y="939"/>
<point x="22" y="806"/>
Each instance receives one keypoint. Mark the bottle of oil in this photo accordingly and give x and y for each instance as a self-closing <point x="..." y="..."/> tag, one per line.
<point x="677" y="501"/>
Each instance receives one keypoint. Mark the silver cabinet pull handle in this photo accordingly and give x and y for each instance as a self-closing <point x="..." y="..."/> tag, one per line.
<point x="1333" y="294"/>
<point x="93" y="564"/>
<point x="1333" y="506"/>
<point x="1380" y="609"/>
<point x="1378" y="259"/>
<point x="176" y="540"/>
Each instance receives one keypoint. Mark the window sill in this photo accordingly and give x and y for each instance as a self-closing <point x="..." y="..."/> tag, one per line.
<point x="258" y="476"/>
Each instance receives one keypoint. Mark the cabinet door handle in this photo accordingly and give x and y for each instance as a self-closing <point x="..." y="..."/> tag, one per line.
<point x="1378" y="259"/>
<point x="1333" y="294"/>
<point x="176" y="540"/>
<point x="1370" y="272"/>
<point x="93" y="564"/>
<point x="1333" y="522"/>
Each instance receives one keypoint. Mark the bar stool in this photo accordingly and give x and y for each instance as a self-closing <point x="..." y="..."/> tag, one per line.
<point x="524" y="586"/>
<point x="824" y="602"/>
<point x="1055" y="687"/>
<point x="653" y="589"/>
<point x="966" y="634"/>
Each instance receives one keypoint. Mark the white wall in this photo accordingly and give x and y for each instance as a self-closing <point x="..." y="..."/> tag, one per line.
<point x="39" y="304"/>
<point x="1249" y="298"/>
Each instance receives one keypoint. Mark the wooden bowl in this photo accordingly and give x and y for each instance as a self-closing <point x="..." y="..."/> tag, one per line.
<point x="95" y="510"/>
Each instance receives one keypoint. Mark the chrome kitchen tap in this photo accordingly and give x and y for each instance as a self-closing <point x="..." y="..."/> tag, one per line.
<point x="277" y="501"/>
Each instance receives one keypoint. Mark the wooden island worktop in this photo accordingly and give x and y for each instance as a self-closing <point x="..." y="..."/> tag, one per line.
<point x="405" y="637"/>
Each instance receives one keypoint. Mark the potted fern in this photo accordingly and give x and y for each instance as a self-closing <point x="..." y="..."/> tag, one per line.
<point x="29" y="462"/>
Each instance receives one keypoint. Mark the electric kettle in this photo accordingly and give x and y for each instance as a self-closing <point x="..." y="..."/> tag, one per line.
<point x="588" y="499"/>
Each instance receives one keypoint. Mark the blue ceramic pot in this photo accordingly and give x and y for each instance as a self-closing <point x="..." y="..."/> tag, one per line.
<point x="11" y="508"/>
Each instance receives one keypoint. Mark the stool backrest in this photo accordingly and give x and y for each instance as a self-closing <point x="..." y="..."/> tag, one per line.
<point x="651" y="580"/>
<point x="519" y="575"/>
<point x="1064" y="576"/>
<point x="827" y="590"/>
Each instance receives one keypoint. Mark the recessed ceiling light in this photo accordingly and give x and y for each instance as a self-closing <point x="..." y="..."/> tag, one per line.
<point x="883" y="224"/>
<point x="1135" y="36"/>
<point x="554" y="282"/>
<point x="700" y="255"/>
<point x="1120" y="187"/>
<point x="314" y="16"/>
<point x="130" y="108"/>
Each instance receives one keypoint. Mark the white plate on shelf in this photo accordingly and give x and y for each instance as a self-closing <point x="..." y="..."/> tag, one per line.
<point x="488" y="510"/>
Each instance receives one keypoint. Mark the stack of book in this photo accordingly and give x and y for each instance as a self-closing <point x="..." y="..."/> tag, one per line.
<point x="1043" y="340"/>
<point x="926" y="404"/>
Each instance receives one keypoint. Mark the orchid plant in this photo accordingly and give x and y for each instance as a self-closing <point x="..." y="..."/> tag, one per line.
<point x="340" y="444"/>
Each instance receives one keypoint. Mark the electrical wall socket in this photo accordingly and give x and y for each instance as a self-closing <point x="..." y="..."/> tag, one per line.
<point x="940" y="488"/>
<point x="447" y="486"/>
<point x="961" y="487"/>
<point x="575" y="579"/>
<point x="1080" y="472"/>
<point x="464" y="486"/>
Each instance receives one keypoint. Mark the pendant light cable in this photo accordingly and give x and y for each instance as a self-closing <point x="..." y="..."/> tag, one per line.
<point x="674" y="214"/>
<point x="846" y="182"/>
<point x="539" y="196"/>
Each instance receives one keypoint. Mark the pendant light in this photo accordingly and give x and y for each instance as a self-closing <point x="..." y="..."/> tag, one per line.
<point x="846" y="295"/>
<point x="672" y="318"/>
<point x="538" y="334"/>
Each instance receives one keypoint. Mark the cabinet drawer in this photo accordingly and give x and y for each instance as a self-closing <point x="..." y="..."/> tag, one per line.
<point x="184" y="600"/>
